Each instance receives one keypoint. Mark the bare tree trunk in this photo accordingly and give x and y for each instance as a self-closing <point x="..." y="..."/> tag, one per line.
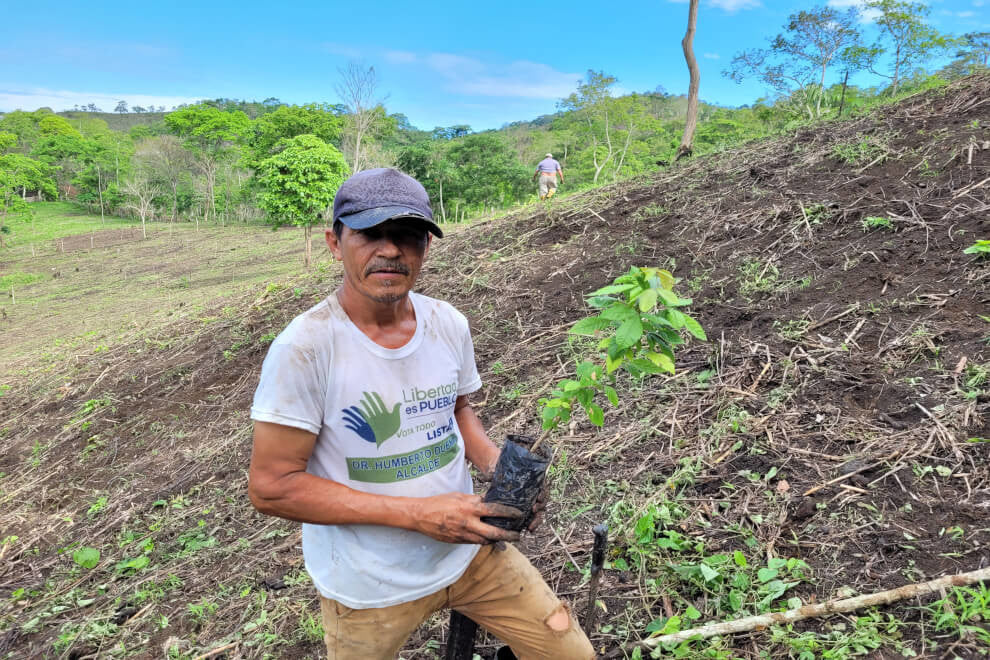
<point x="308" y="237"/>
<point x="842" y="99"/>
<point x="99" y="187"/>
<point x="443" y="213"/>
<point x="691" y="120"/>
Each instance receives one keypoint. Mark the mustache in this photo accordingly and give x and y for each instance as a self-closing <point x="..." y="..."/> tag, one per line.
<point x="386" y="265"/>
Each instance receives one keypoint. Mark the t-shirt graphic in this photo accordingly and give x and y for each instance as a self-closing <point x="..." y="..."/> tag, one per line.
<point x="384" y="420"/>
<point x="372" y="421"/>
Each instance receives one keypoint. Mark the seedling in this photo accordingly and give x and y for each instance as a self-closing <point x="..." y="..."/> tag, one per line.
<point x="641" y="322"/>
<point x="877" y="222"/>
<point x="980" y="248"/>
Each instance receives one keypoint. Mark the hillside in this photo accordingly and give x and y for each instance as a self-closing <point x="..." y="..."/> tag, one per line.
<point x="122" y="122"/>
<point x="839" y="415"/>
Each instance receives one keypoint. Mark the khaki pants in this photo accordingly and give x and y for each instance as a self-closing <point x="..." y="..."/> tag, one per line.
<point x="548" y="184"/>
<point x="500" y="590"/>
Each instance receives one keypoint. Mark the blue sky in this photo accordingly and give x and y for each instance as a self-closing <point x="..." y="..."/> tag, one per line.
<point x="440" y="63"/>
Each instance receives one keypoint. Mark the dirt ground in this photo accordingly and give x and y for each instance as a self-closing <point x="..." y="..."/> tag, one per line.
<point x="838" y="415"/>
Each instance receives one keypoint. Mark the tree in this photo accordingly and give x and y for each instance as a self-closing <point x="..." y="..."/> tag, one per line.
<point x="691" y="118"/>
<point x="121" y="107"/>
<point x="904" y="37"/>
<point x="209" y="134"/>
<point x="427" y="163"/>
<point x="166" y="161"/>
<point x="299" y="184"/>
<point x="18" y="174"/>
<point x="356" y="88"/>
<point x="975" y="50"/>
<point x="592" y="102"/>
<point x="483" y="171"/>
<point x="141" y="192"/>
<point x="271" y="131"/>
<point x="797" y="62"/>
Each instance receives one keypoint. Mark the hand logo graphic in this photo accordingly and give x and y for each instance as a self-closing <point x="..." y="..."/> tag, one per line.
<point x="354" y="420"/>
<point x="373" y="422"/>
<point x="383" y="424"/>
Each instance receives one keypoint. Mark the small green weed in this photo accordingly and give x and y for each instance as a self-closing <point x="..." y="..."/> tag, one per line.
<point x="791" y="330"/>
<point x="980" y="248"/>
<point x="867" y="150"/>
<point x="757" y="277"/>
<point x="651" y="211"/>
<point x="877" y="222"/>
<point x="839" y="641"/>
<point x="99" y="505"/>
<point x="965" y="611"/>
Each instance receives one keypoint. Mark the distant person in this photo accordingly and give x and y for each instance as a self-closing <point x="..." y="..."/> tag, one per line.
<point x="548" y="170"/>
<point x="363" y="432"/>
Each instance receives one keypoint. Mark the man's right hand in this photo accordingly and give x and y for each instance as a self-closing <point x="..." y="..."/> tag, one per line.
<point x="456" y="518"/>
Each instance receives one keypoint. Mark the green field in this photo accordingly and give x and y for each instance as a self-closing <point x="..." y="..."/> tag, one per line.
<point x="70" y="280"/>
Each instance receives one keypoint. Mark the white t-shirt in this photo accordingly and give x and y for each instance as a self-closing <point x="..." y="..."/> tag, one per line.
<point x="384" y="420"/>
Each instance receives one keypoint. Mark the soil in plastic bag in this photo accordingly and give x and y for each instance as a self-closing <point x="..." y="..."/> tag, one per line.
<point x="518" y="479"/>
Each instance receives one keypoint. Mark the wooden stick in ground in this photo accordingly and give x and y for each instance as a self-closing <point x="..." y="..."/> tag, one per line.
<point x="821" y="609"/>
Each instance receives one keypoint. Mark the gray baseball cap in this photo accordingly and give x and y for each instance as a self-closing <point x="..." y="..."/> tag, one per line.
<point x="371" y="197"/>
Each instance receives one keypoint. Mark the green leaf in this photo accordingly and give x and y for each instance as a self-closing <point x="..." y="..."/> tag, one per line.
<point x="692" y="613"/>
<point x="708" y="572"/>
<point x="596" y="415"/>
<point x="766" y="574"/>
<point x="611" y="290"/>
<point x="612" y="363"/>
<point x="620" y="312"/>
<point x="656" y="625"/>
<point x="629" y="333"/>
<point x="694" y="327"/>
<point x="739" y="558"/>
<point x="611" y="394"/>
<point x="662" y="361"/>
<point x="645" y="366"/>
<point x="647" y="300"/>
<point x="589" y="326"/>
<point x="86" y="557"/>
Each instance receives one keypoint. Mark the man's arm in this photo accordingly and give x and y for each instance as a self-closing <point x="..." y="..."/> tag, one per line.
<point x="560" y="173"/>
<point x="279" y="485"/>
<point x="478" y="448"/>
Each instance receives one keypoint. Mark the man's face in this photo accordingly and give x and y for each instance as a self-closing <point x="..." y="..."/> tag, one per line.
<point x="382" y="262"/>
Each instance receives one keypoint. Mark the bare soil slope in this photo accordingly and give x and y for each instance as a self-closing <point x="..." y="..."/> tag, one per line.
<point x="846" y="362"/>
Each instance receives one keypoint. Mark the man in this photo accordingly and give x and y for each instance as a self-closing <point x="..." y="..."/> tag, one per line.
<point x="548" y="170"/>
<point x="362" y="432"/>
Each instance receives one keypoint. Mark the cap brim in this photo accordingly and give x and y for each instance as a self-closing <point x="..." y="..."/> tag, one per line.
<point x="377" y="216"/>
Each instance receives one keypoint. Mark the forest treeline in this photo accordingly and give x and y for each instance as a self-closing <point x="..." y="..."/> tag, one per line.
<point x="228" y="160"/>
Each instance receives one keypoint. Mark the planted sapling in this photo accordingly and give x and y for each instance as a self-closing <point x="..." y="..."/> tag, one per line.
<point x="639" y="323"/>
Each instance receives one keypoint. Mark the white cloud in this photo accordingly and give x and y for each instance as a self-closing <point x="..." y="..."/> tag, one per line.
<point x="732" y="6"/>
<point x="965" y="14"/>
<point x="711" y="56"/>
<point x="58" y="100"/>
<point x="865" y="15"/>
<point x="978" y="3"/>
